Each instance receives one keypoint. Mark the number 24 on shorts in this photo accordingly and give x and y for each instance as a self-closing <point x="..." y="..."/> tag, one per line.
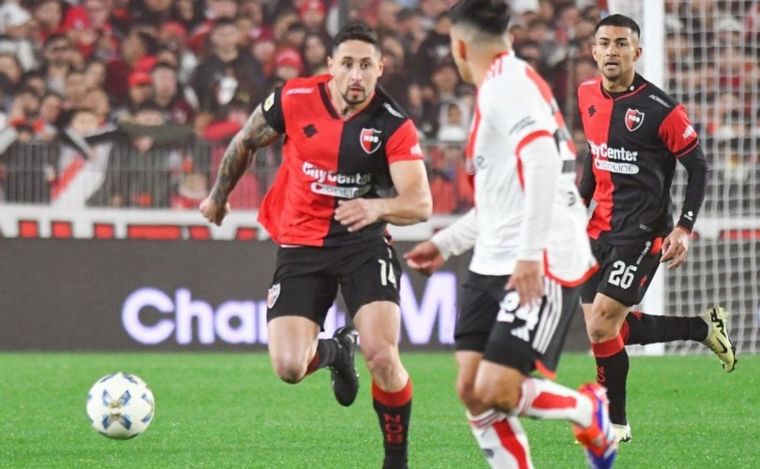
<point x="622" y="275"/>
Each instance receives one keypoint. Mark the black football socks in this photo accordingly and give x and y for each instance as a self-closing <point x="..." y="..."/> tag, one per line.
<point x="394" y="410"/>
<point x="612" y="373"/>
<point x="643" y="329"/>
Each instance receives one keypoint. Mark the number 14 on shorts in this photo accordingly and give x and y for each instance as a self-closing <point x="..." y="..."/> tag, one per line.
<point x="387" y="275"/>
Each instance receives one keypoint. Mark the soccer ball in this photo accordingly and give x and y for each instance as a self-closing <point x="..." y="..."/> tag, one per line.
<point x="120" y="405"/>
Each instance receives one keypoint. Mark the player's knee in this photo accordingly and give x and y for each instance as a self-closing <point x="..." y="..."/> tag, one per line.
<point x="466" y="393"/>
<point x="289" y="370"/>
<point x="602" y="325"/>
<point x="503" y="394"/>
<point x="465" y="390"/>
<point x="381" y="360"/>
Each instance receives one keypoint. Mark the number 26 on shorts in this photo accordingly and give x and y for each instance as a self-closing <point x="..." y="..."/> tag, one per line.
<point x="622" y="275"/>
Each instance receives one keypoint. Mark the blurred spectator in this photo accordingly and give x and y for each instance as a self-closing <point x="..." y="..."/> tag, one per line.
<point x="35" y="81"/>
<point x="295" y="36"/>
<point x="96" y="100"/>
<point x="282" y="21"/>
<point x="254" y="11"/>
<point x="173" y="37"/>
<point x="216" y="10"/>
<point x="387" y="10"/>
<point x="135" y="53"/>
<point x="156" y="11"/>
<point x="141" y="173"/>
<point x="409" y="28"/>
<point x="314" y="53"/>
<point x="74" y="90"/>
<point x="453" y="124"/>
<point x="546" y="11"/>
<point x="95" y="75"/>
<point x="288" y="65"/>
<point x="15" y="28"/>
<point x="423" y="106"/>
<point x="227" y="71"/>
<point x="87" y="25"/>
<point x="23" y="120"/>
<point x="140" y="91"/>
<point x="441" y="176"/>
<point x="48" y="15"/>
<point x="434" y="49"/>
<point x="445" y="79"/>
<point x="50" y="109"/>
<point x="431" y="11"/>
<point x="312" y="14"/>
<point x="263" y="50"/>
<point x="188" y="14"/>
<point x="10" y="76"/>
<point x="567" y="14"/>
<point x="395" y="79"/>
<point x="57" y="64"/>
<point x="168" y="96"/>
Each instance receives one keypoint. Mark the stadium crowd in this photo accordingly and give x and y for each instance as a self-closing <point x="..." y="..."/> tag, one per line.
<point x="139" y="97"/>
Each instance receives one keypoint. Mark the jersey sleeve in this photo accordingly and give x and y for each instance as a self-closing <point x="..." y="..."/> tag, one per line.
<point x="273" y="112"/>
<point x="404" y="144"/>
<point x="677" y="133"/>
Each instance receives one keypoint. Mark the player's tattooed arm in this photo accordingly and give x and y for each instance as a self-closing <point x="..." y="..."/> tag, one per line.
<point x="240" y="153"/>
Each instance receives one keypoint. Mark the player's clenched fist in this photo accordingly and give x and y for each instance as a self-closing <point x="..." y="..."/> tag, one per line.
<point x="425" y="258"/>
<point x="213" y="212"/>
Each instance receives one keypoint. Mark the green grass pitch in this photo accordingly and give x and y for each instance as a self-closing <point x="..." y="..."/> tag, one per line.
<point x="228" y="410"/>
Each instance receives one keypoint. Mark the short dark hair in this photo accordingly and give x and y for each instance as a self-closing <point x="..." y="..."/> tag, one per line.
<point x="163" y="65"/>
<point x="488" y="16"/>
<point x="621" y="21"/>
<point x="356" y="32"/>
<point x="224" y="21"/>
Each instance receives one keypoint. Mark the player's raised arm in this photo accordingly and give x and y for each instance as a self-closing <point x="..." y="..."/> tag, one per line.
<point x="240" y="153"/>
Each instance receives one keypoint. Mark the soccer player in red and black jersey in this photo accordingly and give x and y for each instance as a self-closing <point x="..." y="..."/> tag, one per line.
<point x="636" y="133"/>
<point x="352" y="163"/>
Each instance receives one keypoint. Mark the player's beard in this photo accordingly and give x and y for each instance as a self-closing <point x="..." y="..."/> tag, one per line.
<point x="355" y="98"/>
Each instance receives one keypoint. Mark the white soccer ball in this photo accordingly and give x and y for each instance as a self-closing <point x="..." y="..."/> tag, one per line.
<point x="120" y="405"/>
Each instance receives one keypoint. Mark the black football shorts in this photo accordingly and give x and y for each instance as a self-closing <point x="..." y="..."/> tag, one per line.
<point x="306" y="279"/>
<point x="625" y="271"/>
<point x="527" y="337"/>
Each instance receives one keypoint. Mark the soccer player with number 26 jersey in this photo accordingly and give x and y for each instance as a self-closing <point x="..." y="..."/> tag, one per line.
<point x="636" y="133"/>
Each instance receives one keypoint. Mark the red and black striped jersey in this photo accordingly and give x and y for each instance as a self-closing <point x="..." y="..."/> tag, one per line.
<point x="634" y="138"/>
<point x="327" y="158"/>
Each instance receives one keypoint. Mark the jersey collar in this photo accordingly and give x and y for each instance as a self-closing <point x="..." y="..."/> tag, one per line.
<point x="638" y="84"/>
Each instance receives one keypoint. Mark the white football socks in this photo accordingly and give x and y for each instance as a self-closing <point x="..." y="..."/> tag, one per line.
<point x="501" y="439"/>
<point x="544" y="399"/>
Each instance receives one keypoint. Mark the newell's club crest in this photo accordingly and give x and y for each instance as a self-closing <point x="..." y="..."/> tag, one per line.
<point x="633" y="119"/>
<point x="370" y="141"/>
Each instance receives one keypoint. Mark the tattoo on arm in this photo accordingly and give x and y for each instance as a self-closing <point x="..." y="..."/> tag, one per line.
<point x="241" y="152"/>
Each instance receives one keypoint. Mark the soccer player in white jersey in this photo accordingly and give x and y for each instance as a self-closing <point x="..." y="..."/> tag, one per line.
<point x="530" y="252"/>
